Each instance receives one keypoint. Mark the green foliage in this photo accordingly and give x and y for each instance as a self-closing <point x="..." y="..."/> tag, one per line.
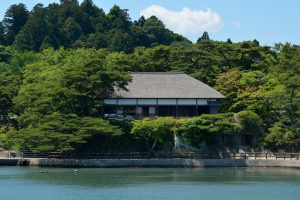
<point x="70" y="25"/>
<point x="34" y="85"/>
<point x="154" y="131"/>
<point x="250" y="121"/>
<point x="34" y="32"/>
<point x="222" y="123"/>
<point x="60" y="133"/>
<point x="68" y="82"/>
<point x="57" y="100"/>
<point x="2" y="34"/>
<point x="9" y="85"/>
<point x="13" y="21"/>
<point x="282" y="137"/>
<point x="240" y="88"/>
<point x="205" y="36"/>
<point x="194" y="130"/>
<point x="124" y="124"/>
<point x="201" y="129"/>
<point x="283" y="91"/>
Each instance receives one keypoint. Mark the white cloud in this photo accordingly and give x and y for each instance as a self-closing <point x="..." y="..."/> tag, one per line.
<point x="186" y="21"/>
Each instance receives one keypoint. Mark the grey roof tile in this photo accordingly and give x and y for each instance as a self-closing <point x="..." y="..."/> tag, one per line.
<point x="166" y="85"/>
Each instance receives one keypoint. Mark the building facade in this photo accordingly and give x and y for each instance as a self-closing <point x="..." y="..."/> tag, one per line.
<point x="163" y="94"/>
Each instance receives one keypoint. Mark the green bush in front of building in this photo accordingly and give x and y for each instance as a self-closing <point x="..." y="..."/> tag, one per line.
<point x="156" y="132"/>
<point x="250" y="122"/>
<point x="203" y="128"/>
<point x="193" y="131"/>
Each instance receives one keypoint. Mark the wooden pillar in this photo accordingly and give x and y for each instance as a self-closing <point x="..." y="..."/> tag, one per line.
<point x="156" y="108"/>
<point x="176" y="108"/>
<point x="197" y="107"/>
<point x="136" y="107"/>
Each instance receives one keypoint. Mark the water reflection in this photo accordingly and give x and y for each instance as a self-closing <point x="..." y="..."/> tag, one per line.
<point x="135" y="176"/>
<point x="149" y="184"/>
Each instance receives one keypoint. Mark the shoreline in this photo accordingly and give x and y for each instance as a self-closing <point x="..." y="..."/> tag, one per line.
<point x="147" y="163"/>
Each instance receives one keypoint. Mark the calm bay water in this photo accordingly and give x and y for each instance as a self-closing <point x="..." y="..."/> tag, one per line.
<point x="149" y="184"/>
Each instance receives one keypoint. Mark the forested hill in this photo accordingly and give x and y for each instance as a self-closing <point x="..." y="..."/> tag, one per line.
<point x="71" y="25"/>
<point x="57" y="61"/>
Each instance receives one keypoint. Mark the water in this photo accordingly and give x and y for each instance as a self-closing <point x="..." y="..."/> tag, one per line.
<point x="149" y="184"/>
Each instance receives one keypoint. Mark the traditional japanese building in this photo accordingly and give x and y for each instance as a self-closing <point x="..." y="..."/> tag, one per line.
<point x="163" y="94"/>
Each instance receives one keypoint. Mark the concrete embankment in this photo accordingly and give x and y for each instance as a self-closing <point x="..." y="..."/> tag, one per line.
<point x="163" y="163"/>
<point x="9" y="161"/>
<point x="175" y="162"/>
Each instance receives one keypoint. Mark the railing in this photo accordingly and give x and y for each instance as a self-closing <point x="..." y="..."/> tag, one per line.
<point x="138" y="155"/>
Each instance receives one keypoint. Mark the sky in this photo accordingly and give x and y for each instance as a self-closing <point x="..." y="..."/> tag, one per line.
<point x="268" y="21"/>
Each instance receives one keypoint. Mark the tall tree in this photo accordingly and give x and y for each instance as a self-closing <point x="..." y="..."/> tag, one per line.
<point x="119" y="18"/>
<point x="156" y="31"/>
<point x="9" y="85"/>
<point x="204" y="36"/>
<point x="34" y="31"/>
<point x="71" y="31"/>
<point x="89" y="12"/>
<point x="2" y="36"/>
<point x="120" y="41"/>
<point x="14" y="19"/>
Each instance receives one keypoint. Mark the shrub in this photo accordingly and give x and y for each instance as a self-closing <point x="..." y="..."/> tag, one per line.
<point x="59" y="132"/>
<point x="200" y="129"/>
<point x="154" y="131"/>
<point x="282" y="137"/>
<point x="194" y="130"/>
<point x="250" y="122"/>
<point x="124" y="124"/>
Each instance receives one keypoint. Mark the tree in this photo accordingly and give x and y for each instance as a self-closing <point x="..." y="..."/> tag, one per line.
<point x="229" y="41"/>
<point x="141" y="21"/>
<point x="154" y="131"/>
<point x="119" y="18"/>
<point x="69" y="8"/>
<point x="90" y="12"/>
<point x="69" y="82"/>
<point x="201" y="60"/>
<point x="197" y="130"/>
<point x="155" y="30"/>
<point x="9" y="85"/>
<point x="35" y="31"/>
<point x="71" y="25"/>
<point x="204" y="36"/>
<point x="140" y="37"/>
<point x="2" y="35"/>
<point x="120" y="41"/>
<point x="97" y="40"/>
<point x="14" y="19"/>
<point x="256" y="42"/>
<point x="285" y="131"/>
<point x="240" y="89"/>
<point x="59" y="133"/>
<point x="5" y="54"/>
<point x="71" y="31"/>
<point x="156" y="59"/>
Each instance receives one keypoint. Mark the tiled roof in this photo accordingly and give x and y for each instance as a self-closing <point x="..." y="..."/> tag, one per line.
<point x="166" y="85"/>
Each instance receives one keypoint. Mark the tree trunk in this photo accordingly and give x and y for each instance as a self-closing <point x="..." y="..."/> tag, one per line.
<point x="153" y="145"/>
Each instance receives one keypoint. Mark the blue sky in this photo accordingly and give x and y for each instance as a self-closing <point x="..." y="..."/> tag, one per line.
<point x="268" y="21"/>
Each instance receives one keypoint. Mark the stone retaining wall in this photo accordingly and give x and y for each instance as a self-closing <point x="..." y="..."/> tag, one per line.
<point x="163" y="163"/>
<point x="176" y="162"/>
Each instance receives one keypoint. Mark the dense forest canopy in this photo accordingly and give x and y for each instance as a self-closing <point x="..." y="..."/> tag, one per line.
<point x="56" y="62"/>
<point x="73" y="25"/>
